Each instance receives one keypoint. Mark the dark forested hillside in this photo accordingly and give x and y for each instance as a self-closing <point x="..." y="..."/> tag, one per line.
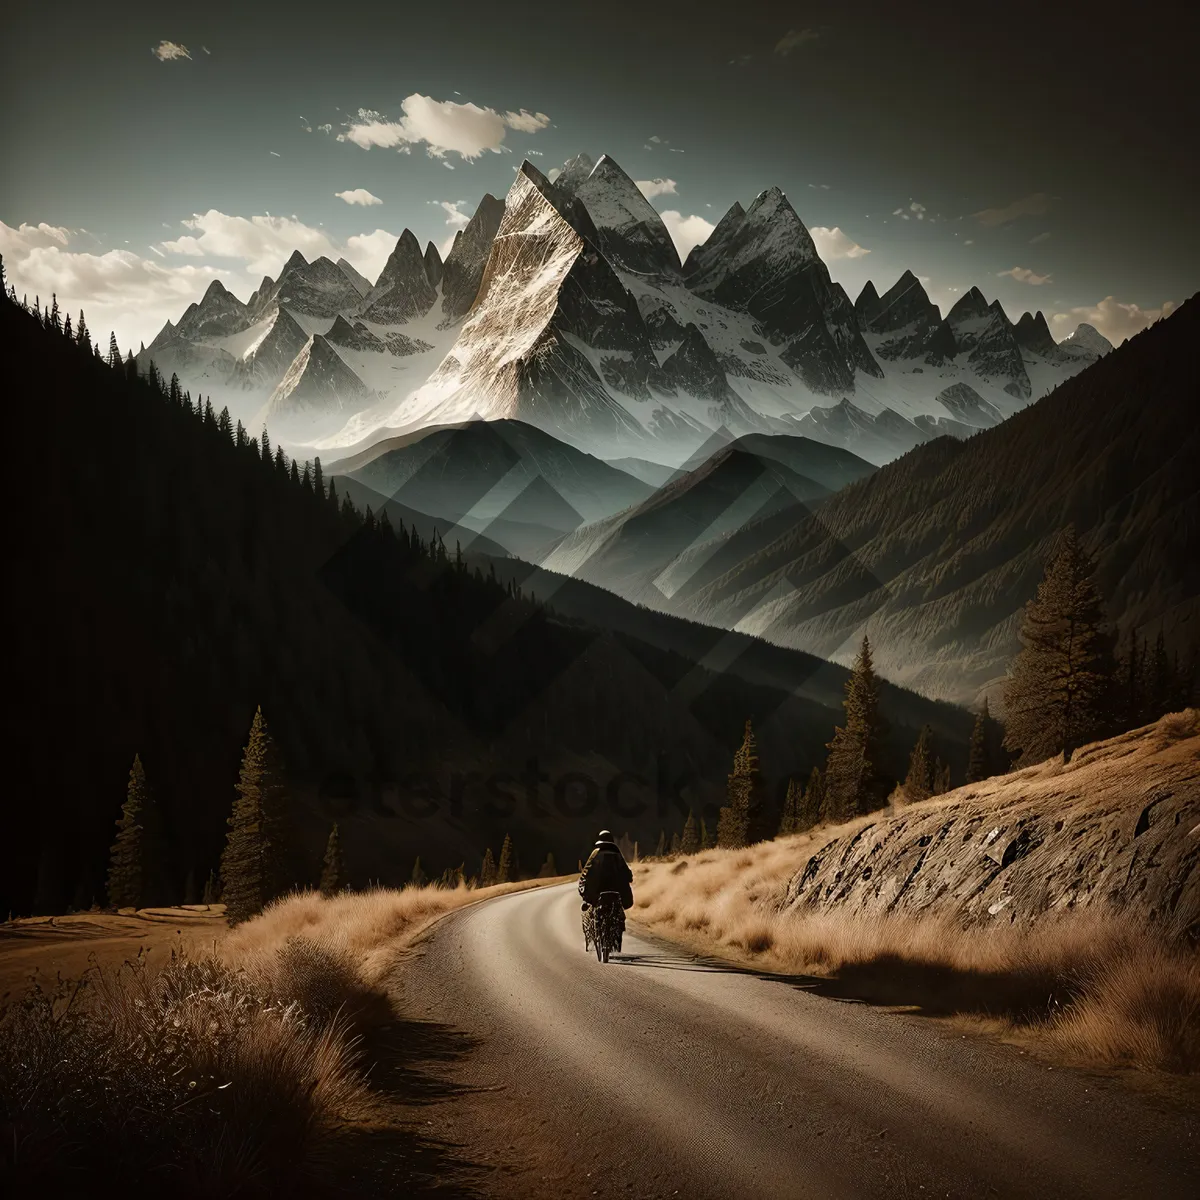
<point x="171" y="574"/>
<point x="937" y="553"/>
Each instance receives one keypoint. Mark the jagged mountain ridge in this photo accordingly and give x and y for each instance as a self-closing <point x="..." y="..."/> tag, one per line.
<point x="623" y="349"/>
<point x="1111" y="450"/>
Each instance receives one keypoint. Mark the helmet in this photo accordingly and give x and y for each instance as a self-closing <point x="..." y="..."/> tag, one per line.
<point x="605" y="836"/>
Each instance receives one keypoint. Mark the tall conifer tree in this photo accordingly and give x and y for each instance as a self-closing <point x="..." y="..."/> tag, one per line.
<point x="333" y="870"/>
<point x="1058" y="692"/>
<point x="852" y="781"/>
<point x="979" y="763"/>
<point x="130" y="870"/>
<point x="505" y="868"/>
<point x="743" y="798"/>
<point x="920" y="781"/>
<point x="254" y="866"/>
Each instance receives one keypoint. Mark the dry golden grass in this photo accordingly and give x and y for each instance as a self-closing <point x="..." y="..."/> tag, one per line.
<point x="237" y="1072"/>
<point x="1093" y="986"/>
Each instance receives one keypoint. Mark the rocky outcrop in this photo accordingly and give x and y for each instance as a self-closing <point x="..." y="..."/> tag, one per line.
<point x="462" y="272"/>
<point x="403" y="290"/>
<point x="1116" y="829"/>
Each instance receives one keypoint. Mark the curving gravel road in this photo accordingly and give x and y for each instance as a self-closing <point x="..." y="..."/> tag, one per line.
<point x="662" y="1075"/>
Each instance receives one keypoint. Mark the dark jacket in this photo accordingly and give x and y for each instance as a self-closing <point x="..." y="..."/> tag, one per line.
<point x="606" y="871"/>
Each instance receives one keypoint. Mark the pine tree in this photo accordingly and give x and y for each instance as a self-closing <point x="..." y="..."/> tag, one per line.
<point x="852" y="781"/>
<point x="789" y="822"/>
<point x="740" y="819"/>
<point x="83" y="335"/>
<point x="660" y="849"/>
<point x="254" y="868"/>
<point x="418" y="878"/>
<point x="548" y="870"/>
<point x="707" y="841"/>
<point x="814" y="800"/>
<point x="920" y="780"/>
<point x="333" y="870"/>
<point x="318" y="478"/>
<point x="675" y="843"/>
<point x="1058" y="692"/>
<point x="212" y="890"/>
<point x="487" y="869"/>
<point x="505" y="869"/>
<point x="128" y="869"/>
<point x="979" y="764"/>
<point x="689" y="843"/>
<point x="114" y="351"/>
<point x="941" y="777"/>
<point x="68" y="333"/>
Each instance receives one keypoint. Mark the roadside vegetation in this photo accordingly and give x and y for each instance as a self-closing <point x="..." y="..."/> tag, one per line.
<point x="1094" y="986"/>
<point x="243" y="1071"/>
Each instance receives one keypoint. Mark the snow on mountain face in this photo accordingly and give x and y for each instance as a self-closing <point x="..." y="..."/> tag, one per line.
<point x="516" y="355"/>
<point x="764" y="262"/>
<point x="218" y="313"/>
<point x="631" y="233"/>
<point x="361" y="285"/>
<point x="912" y="322"/>
<point x="1087" y="342"/>
<point x="317" y="384"/>
<point x="967" y="406"/>
<point x="403" y="290"/>
<point x="597" y="333"/>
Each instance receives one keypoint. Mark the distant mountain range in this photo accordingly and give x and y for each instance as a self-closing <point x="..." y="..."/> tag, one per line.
<point x="566" y="307"/>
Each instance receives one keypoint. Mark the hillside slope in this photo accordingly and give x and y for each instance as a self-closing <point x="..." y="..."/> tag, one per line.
<point x="1117" y="829"/>
<point x="170" y="579"/>
<point x="936" y="553"/>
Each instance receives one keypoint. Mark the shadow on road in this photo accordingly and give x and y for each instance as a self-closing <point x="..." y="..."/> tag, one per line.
<point x="1022" y="994"/>
<point x="389" y="1151"/>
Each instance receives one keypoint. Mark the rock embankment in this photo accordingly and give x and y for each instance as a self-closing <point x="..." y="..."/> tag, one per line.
<point x="1117" y="828"/>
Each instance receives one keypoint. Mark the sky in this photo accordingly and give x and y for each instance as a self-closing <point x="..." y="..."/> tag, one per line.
<point x="1044" y="153"/>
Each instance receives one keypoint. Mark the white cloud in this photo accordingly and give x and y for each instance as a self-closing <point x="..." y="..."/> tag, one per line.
<point x="794" y="39"/>
<point x="274" y="154"/>
<point x="526" y="122"/>
<point x="1034" y="205"/>
<point x="833" y="243"/>
<point x="264" y="243"/>
<point x="184" y="245"/>
<point x="657" y="140"/>
<point x="368" y="252"/>
<point x="119" y="290"/>
<point x="1025" y="275"/>
<point x="656" y="187"/>
<point x="453" y="210"/>
<point x="918" y="209"/>
<point x="442" y="126"/>
<point x="326" y="128"/>
<point x="358" y="196"/>
<point x="166" y="51"/>
<point x="534" y="153"/>
<point x="1041" y="237"/>
<point x="969" y="242"/>
<point x="686" y="232"/>
<point x="28" y="237"/>
<point x="1117" y="321"/>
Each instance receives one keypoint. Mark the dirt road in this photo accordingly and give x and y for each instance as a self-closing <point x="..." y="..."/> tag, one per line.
<point x="661" y="1075"/>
